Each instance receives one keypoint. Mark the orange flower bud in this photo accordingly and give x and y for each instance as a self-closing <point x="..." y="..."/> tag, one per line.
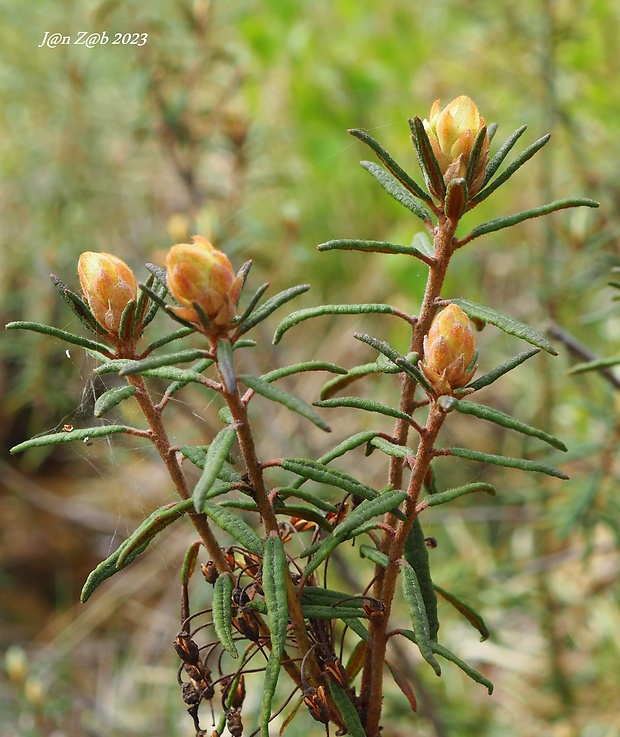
<point x="449" y="350"/>
<point x="452" y="132"/>
<point x="199" y="273"/>
<point x="108" y="285"/>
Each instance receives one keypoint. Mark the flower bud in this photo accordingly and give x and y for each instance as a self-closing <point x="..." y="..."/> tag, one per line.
<point x="449" y="350"/>
<point x="452" y="132"/>
<point x="108" y="285"/>
<point x="199" y="273"/>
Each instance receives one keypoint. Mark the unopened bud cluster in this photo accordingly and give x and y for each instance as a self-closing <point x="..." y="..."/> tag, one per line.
<point x="452" y="133"/>
<point x="449" y="351"/>
<point x="108" y="285"/>
<point x="201" y="279"/>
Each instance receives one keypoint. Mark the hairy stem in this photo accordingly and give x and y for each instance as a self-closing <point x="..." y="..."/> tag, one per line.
<point x="385" y="585"/>
<point x="160" y="440"/>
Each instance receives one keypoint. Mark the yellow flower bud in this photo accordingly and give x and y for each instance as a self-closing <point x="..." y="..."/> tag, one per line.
<point x="449" y="350"/>
<point x="108" y="285"/>
<point x="199" y="273"/>
<point x="452" y="132"/>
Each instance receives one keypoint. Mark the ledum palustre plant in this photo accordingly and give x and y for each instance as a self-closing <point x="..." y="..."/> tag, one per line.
<point x="267" y="527"/>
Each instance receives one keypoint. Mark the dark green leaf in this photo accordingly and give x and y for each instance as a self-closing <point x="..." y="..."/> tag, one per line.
<point x="296" y="317"/>
<point x="218" y="452"/>
<point x="176" y="335"/>
<point x="391" y="165"/>
<point x="376" y="556"/>
<point x="221" y="613"/>
<point x="275" y="394"/>
<point x="496" y="460"/>
<point x="169" y="359"/>
<point x="112" y="398"/>
<point x="407" y="366"/>
<point x="499" y="157"/>
<point x="226" y="365"/>
<point x="316" y="471"/>
<point x="416" y="554"/>
<point x="396" y="190"/>
<point x="426" y="157"/>
<point x="512" y="168"/>
<point x="505" y="420"/>
<point x="234" y="526"/>
<point x="372" y="247"/>
<point x="506" y="323"/>
<point x="297" y="368"/>
<point x="62" y="334"/>
<point x="366" y="404"/>
<point x="599" y="363"/>
<point x="504" y="368"/>
<point x="271" y="305"/>
<point x="347" y="710"/>
<point x="442" y="497"/>
<point x="391" y="449"/>
<point x="84" y="434"/>
<point x="507" y="222"/>
<point x="456" y="199"/>
<point x="417" y="612"/>
<point x="470" y="614"/>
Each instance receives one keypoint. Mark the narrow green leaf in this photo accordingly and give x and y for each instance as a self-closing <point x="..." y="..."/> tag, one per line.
<point x="106" y="569"/>
<point x="271" y="305"/>
<point x="407" y="366"/>
<point x="372" y="247"/>
<point x="359" y="309"/>
<point x="234" y="526"/>
<point x="275" y="572"/>
<point x="197" y="368"/>
<point x="80" y="307"/>
<point x="189" y="561"/>
<point x="599" y="363"/>
<point x="62" y="334"/>
<point x="396" y="190"/>
<point x="416" y="555"/>
<point x="169" y="359"/>
<point x="513" y="167"/>
<point x="290" y="401"/>
<point x="445" y="653"/>
<point x="347" y="710"/>
<point x="474" y="156"/>
<point x="319" y="596"/>
<point x="85" y="434"/>
<point x="374" y="555"/>
<point x="160" y="289"/>
<point x="366" y="404"/>
<point x="158" y="273"/>
<point x="222" y="613"/>
<point x="507" y="222"/>
<point x="198" y="456"/>
<point x="417" y="612"/>
<point x="176" y="335"/>
<point x="391" y="449"/>
<point x="151" y="527"/>
<point x="290" y="491"/>
<point x="506" y="323"/>
<point x="499" y="157"/>
<point x="391" y="165"/>
<point x="386" y="501"/>
<point x="470" y="614"/>
<point x="132" y="547"/>
<point x="426" y="158"/>
<point x="505" y="420"/>
<point x="127" y="322"/>
<point x="504" y="368"/>
<point x="497" y="460"/>
<point x="316" y="471"/>
<point x="331" y="611"/>
<point x="333" y="386"/>
<point x="353" y="525"/>
<point x="297" y="368"/>
<point x="218" y="452"/>
<point x="252" y="303"/>
<point x="442" y="497"/>
<point x="111" y="398"/>
<point x="226" y="365"/>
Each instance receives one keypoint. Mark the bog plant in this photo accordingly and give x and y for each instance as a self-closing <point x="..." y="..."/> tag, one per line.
<point x="273" y="615"/>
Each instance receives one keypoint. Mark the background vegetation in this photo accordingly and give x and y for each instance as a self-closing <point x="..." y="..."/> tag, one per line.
<point x="231" y="121"/>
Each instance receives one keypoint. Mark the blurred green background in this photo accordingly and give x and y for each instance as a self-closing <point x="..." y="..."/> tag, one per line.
<point x="231" y="121"/>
